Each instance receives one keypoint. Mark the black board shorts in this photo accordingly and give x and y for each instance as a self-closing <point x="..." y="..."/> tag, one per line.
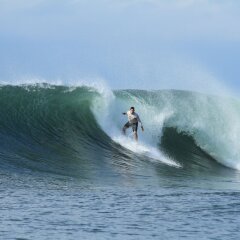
<point x="133" y="125"/>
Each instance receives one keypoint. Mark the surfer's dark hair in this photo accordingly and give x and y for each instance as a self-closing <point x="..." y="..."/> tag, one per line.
<point x="132" y="108"/>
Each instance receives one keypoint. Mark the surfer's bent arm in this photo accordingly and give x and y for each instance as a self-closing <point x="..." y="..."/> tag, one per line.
<point x="139" y="120"/>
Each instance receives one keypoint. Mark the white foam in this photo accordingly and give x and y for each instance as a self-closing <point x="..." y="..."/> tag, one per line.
<point x="212" y="121"/>
<point x="107" y="109"/>
<point x="143" y="149"/>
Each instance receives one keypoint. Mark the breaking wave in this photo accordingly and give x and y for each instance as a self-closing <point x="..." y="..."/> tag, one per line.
<point x="60" y="129"/>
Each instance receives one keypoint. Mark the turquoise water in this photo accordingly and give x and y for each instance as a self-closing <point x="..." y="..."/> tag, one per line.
<point x="67" y="173"/>
<point x="44" y="207"/>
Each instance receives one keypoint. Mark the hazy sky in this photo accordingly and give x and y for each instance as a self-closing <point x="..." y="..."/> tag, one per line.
<point x="147" y="44"/>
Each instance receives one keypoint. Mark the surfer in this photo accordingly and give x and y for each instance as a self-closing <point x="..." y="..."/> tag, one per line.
<point x="133" y="120"/>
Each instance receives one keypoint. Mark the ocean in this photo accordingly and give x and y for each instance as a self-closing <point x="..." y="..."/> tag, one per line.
<point x="67" y="172"/>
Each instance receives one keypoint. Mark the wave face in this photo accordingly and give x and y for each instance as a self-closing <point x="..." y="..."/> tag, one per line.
<point x="65" y="130"/>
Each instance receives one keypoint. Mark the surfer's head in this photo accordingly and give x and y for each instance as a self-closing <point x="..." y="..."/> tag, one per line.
<point x="132" y="109"/>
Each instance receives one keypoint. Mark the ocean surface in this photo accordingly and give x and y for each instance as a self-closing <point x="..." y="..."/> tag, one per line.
<point x="68" y="173"/>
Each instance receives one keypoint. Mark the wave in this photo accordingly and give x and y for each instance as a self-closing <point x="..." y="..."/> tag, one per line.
<point x="62" y="129"/>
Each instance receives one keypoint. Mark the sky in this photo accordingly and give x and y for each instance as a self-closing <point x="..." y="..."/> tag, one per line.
<point x="140" y="44"/>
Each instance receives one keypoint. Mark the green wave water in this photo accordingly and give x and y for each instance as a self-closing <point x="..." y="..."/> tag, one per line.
<point x="76" y="131"/>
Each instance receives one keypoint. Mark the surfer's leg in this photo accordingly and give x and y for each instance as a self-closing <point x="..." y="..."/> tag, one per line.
<point x="135" y="136"/>
<point x="126" y="126"/>
<point x="134" y="128"/>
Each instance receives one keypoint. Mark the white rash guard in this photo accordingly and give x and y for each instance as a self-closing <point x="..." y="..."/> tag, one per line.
<point x="133" y="117"/>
